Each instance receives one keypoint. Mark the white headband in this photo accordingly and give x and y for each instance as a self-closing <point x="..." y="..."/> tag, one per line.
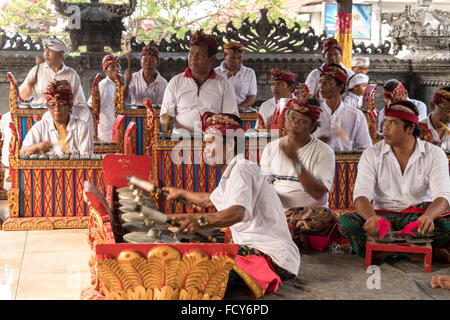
<point x="359" y="61"/>
<point x="356" y="79"/>
<point x="55" y="45"/>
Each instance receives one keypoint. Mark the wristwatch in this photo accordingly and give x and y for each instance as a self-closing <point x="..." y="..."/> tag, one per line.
<point x="202" y="221"/>
<point x="298" y="168"/>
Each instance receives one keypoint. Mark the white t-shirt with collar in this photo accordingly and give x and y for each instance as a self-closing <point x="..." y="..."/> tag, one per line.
<point x="351" y="120"/>
<point x="444" y="143"/>
<point x="82" y="113"/>
<point x="186" y="102"/>
<point x="380" y="179"/>
<point x="139" y="89"/>
<point x="264" y="226"/>
<point x="47" y="75"/>
<point x="243" y="82"/>
<point x="78" y="139"/>
<point x="107" y="89"/>
<point x="353" y="100"/>
<point x="316" y="157"/>
<point x="312" y="81"/>
<point x="266" y="110"/>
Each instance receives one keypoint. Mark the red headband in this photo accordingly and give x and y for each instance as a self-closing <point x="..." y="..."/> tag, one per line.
<point x="58" y="90"/>
<point x="442" y="97"/>
<point x="301" y="104"/>
<point x="284" y="75"/>
<point x="148" y="49"/>
<point x="225" y="124"/>
<point x="393" y="95"/>
<point x="199" y="38"/>
<point x="331" y="43"/>
<point x="401" y="112"/>
<point x="109" y="59"/>
<point x="334" y="72"/>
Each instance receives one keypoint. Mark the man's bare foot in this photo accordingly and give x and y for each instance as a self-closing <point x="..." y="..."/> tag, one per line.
<point x="440" y="282"/>
<point x="441" y="255"/>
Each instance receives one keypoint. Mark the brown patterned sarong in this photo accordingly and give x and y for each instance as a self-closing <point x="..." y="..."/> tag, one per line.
<point x="315" y="221"/>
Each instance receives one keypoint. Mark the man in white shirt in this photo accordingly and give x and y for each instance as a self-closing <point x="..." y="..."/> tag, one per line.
<point x="107" y="90"/>
<point x="332" y="53"/>
<point x="436" y="128"/>
<point x="197" y="90"/>
<point x="402" y="182"/>
<point x="360" y="64"/>
<point x="341" y="126"/>
<point x="243" y="79"/>
<point x="62" y="133"/>
<point x="395" y="91"/>
<point x="147" y="82"/>
<point x="357" y="85"/>
<point x="246" y="203"/>
<point x="302" y="168"/>
<point x="282" y="87"/>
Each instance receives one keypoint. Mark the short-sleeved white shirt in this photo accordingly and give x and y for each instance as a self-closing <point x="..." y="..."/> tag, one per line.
<point x="380" y="179"/>
<point x="139" y="89"/>
<point x="421" y="107"/>
<point x="107" y="89"/>
<point x="316" y="157"/>
<point x="47" y="75"/>
<point x="351" y="120"/>
<point x="353" y="100"/>
<point x="266" y="110"/>
<point x="312" y="81"/>
<point x="264" y="224"/>
<point x="6" y="137"/>
<point x="78" y="139"/>
<point x="444" y="143"/>
<point x="82" y="113"/>
<point x="243" y="82"/>
<point x="185" y="101"/>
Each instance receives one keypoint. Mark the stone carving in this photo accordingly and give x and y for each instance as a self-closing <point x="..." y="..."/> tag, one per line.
<point x="18" y="42"/>
<point x="100" y="24"/>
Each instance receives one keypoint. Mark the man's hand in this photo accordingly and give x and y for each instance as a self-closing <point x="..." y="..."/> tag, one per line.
<point x="32" y="82"/>
<point x="371" y="224"/>
<point x="44" y="146"/>
<point x="188" y="224"/>
<point x="290" y="150"/>
<point x="174" y="193"/>
<point x="426" y="224"/>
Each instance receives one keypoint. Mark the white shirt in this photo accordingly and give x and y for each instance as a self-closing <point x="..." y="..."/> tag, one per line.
<point x="316" y="157"/>
<point x="107" y="89"/>
<point x="264" y="226"/>
<point x="353" y="100"/>
<point x="351" y="120"/>
<point x="444" y="143"/>
<point x="421" y="107"/>
<point x="243" y="82"/>
<point x="78" y="137"/>
<point x="82" y="113"/>
<point x="312" y="81"/>
<point x="139" y="89"/>
<point x="185" y="101"/>
<point x="266" y="110"/>
<point x="46" y="75"/>
<point x="379" y="178"/>
<point x="6" y="137"/>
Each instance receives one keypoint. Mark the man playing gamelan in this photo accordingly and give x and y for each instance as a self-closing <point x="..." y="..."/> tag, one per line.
<point x="247" y="203"/>
<point x="107" y="90"/>
<point x="147" y="82"/>
<point x="302" y="167"/>
<point x="62" y="133"/>
<point x="332" y="53"/>
<point x="197" y="90"/>
<point x="342" y="126"/>
<point x="436" y="128"/>
<point x="54" y="68"/>
<point x="402" y="181"/>
<point x="242" y="78"/>
<point x="282" y="87"/>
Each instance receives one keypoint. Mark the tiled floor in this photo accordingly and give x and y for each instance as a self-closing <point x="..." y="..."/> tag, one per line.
<point x="47" y="265"/>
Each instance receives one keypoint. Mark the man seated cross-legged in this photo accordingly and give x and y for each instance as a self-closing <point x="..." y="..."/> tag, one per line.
<point x="247" y="203"/>
<point x="401" y="180"/>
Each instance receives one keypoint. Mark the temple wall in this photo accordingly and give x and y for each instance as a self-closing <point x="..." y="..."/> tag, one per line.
<point x="421" y="79"/>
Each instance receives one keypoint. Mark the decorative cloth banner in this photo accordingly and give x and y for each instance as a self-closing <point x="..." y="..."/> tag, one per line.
<point x="344" y="35"/>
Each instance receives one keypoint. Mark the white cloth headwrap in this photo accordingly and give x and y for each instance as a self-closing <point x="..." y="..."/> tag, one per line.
<point x="356" y="79"/>
<point x="358" y="61"/>
<point x="55" y="45"/>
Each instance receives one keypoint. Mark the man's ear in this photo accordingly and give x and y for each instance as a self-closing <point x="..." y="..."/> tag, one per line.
<point x="432" y="106"/>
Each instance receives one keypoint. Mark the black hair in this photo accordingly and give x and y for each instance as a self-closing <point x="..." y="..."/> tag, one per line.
<point x="237" y="141"/>
<point x="406" y="124"/>
<point x="338" y="82"/>
<point x="315" y="123"/>
<point x="390" y="85"/>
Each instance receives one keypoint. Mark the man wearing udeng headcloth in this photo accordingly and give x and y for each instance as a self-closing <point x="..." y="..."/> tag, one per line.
<point x="62" y="132"/>
<point x="197" y="90"/>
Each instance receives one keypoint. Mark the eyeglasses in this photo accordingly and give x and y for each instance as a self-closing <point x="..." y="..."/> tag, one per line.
<point x="60" y="104"/>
